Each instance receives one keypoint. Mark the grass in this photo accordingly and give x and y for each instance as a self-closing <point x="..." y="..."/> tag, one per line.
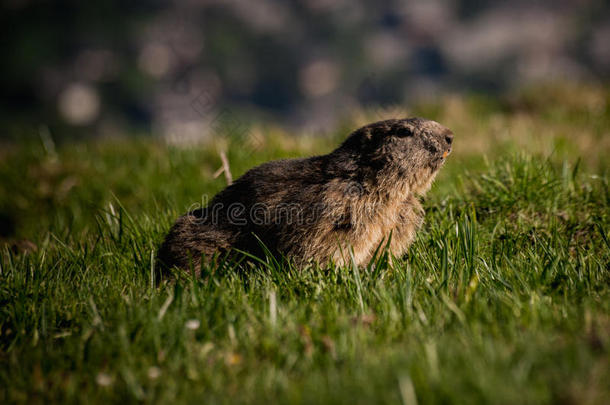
<point x="504" y="298"/>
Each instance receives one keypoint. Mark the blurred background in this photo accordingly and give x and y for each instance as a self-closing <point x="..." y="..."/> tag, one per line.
<point x="180" y="69"/>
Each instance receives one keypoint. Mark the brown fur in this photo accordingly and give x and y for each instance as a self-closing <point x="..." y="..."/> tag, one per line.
<point x="315" y="209"/>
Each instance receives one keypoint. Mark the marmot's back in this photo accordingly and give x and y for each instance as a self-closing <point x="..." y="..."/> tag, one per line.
<point x="313" y="209"/>
<point x="272" y="181"/>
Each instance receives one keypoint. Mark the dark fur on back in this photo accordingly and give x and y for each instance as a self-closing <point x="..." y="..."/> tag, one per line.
<point x="314" y="209"/>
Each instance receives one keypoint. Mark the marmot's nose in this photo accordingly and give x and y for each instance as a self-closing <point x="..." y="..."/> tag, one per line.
<point x="449" y="138"/>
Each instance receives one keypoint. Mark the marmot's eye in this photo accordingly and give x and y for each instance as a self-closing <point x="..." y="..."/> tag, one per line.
<point x="403" y="132"/>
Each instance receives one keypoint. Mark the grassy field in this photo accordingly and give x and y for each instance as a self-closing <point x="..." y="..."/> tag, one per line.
<point x="504" y="298"/>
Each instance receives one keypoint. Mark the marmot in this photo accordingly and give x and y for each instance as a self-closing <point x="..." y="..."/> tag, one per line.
<point x="315" y="209"/>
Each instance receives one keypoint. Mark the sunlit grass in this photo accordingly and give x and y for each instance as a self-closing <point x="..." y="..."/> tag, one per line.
<point x="503" y="298"/>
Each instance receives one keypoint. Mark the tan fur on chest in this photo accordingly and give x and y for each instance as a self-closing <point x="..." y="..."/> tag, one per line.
<point x="373" y="218"/>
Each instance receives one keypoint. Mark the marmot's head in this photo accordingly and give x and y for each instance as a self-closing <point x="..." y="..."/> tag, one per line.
<point x="407" y="150"/>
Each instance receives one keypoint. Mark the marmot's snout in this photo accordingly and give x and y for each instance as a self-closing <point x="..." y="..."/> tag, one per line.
<point x="448" y="139"/>
<point x="436" y="138"/>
